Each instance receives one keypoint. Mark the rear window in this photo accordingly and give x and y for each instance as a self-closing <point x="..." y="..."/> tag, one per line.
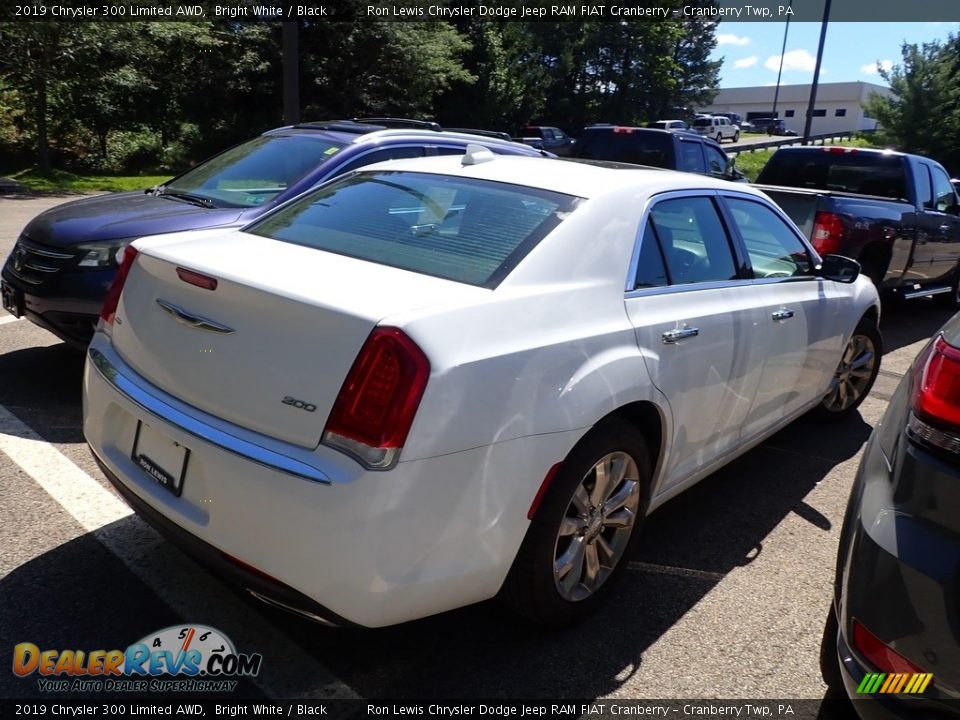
<point x="703" y="122"/>
<point x="629" y="145"/>
<point x="860" y="173"/>
<point x="470" y="231"/>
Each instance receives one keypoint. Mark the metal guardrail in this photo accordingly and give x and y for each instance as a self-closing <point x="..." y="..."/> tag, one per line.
<point x="790" y="140"/>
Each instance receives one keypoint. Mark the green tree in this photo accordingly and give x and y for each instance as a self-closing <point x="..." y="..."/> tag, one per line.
<point x="923" y="116"/>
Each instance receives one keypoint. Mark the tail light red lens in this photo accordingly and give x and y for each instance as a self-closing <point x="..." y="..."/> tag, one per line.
<point x="827" y="232"/>
<point x="109" y="310"/>
<point x="936" y="385"/>
<point x="373" y="413"/>
<point x="883" y="657"/>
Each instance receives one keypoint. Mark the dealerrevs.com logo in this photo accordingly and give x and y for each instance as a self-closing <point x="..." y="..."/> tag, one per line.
<point x="181" y="658"/>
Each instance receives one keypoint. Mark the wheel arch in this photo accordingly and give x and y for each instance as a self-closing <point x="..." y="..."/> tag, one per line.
<point x="875" y="261"/>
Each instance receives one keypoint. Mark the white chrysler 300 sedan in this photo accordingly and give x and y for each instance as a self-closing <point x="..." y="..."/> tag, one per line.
<point x="441" y="380"/>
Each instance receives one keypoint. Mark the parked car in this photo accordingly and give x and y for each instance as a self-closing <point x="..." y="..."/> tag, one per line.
<point x="897" y="214"/>
<point x="898" y="567"/>
<point x="669" y="149"/>
<point x="437" y="381"/>
<point x="543" y="137"/>
<point x="61" y="266"/>
<point x="716" y="127"/>
<point x="669" y="125"/>
<point x="734" y="118"/>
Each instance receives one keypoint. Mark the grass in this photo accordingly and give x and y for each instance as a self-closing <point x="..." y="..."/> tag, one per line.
<point x="751" y="163"/>
<point x="63" y="181"/>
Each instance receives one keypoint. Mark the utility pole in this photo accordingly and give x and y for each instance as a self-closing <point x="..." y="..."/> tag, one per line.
<point x="816" y="74"/>
<point x="290" y="55"/>
<point x="783" y="50"/>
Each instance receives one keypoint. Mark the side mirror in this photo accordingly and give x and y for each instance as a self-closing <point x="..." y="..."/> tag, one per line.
<point x="838" y="268"/>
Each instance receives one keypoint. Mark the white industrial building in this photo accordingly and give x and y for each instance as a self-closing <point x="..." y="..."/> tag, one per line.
<point x="839" y="106"/>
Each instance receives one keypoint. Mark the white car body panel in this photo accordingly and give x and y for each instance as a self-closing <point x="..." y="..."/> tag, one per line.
<point x="518" y="374"/>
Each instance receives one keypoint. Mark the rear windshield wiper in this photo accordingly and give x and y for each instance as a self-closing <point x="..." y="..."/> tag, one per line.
<point x="187" y="197"/>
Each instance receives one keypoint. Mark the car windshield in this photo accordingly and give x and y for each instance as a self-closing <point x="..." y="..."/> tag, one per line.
<point x="470" y="231"/>
<point x="254" y="172"/>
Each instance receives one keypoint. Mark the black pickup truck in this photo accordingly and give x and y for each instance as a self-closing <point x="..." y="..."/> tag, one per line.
<point x="898" y="214"/>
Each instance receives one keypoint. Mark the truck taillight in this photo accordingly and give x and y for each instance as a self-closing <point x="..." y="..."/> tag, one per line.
<point x="109" y="309"/>
<point x="935" y="402"/>
<point x="827" y="232"/>
<point x="373" y="413"/>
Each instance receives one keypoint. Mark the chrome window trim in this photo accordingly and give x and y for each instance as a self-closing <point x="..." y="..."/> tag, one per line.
<point x="168" y="413"/>
<point x="714" y="285"/>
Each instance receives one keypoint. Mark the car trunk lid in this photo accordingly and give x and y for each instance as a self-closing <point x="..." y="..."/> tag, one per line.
<point x="269" y="348"/>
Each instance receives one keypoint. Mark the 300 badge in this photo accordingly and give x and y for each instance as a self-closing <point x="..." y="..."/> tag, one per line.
<point x="189" y="650"/>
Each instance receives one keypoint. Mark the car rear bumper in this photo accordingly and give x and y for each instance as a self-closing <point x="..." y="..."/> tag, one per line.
<point x="347" y="545"/>
<point x="900" y="577"/>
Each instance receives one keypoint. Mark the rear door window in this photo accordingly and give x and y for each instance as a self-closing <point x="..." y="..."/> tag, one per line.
<point x="694" y="240"/>
<point x="470" y="231"/>
<point x="691" y="156"/>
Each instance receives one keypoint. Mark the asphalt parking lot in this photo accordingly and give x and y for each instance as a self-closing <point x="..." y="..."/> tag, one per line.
<point x="725" y="598"/>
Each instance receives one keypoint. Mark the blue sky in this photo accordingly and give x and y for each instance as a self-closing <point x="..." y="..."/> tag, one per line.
<point x="751" y="50"/>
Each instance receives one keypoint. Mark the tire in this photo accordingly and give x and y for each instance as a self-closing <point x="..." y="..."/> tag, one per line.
<point x="829" y="659"/>
<point x="719" y="138"/>
<point x="951" y="300"/>
<point x="550" y="581"/>
<point x="736" y="137"/>
<point x="855" y="374"/>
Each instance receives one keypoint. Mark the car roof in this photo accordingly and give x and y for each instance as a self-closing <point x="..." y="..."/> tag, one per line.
<point x="584" y="180"/>
<point x="357" y="131"/>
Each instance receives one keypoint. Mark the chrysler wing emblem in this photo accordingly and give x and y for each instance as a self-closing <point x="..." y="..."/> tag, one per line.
<point x="194" y="321"/>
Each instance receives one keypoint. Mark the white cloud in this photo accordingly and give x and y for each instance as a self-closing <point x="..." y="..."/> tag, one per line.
<point x="793" y="60"/>
<point x="871" y="68"/>
<point x="731" y="39"/>
<point x="746" y="62"/>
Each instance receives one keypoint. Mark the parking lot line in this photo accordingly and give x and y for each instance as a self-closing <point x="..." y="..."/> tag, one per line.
<point x="196" y="596"/>
<point x="4" y="319"/>
<point x="674" y="570"/>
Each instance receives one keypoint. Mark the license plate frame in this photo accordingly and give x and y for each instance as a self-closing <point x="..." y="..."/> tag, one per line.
<point x="11" y="299"/>
<point x="160" y="458"/>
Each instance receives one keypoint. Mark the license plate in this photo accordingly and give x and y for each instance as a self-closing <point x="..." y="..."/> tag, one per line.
<point x="162" y="459"/>
<point x="12" y="299"/>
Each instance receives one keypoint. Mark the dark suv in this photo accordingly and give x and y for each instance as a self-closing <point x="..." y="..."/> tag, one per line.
<point x="64" y="260"/>
<point x="669" y="149"/>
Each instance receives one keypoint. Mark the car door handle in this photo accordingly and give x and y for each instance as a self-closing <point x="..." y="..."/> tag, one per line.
<point x="782" y="314"/>
<point x="672" y="336"/>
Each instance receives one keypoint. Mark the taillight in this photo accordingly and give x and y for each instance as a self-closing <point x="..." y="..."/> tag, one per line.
<point x="109" y="309"/>
<point x="935" y="401"/>
<point x="877" y="653"/>
<point x="379" y="399"/>
<point x="827" y="232"/>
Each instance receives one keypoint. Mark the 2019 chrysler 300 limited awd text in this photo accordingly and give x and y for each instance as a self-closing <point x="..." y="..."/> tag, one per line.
<point x="436" y="381"/>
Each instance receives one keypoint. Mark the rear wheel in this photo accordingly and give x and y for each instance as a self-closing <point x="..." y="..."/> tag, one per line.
<point x="736" y="136"/>
<point x="577" y="544"/>
<point x="719" y="138"/>
<point x="855" y="374"/>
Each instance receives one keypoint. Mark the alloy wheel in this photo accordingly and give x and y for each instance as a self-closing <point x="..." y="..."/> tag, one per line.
<point x="596" y="527"/>
<point x="852" y="379"/>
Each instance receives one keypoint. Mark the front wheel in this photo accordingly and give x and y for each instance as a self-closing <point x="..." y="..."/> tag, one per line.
<point x="579" y="539"/>
<point x="855" y="374"/>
